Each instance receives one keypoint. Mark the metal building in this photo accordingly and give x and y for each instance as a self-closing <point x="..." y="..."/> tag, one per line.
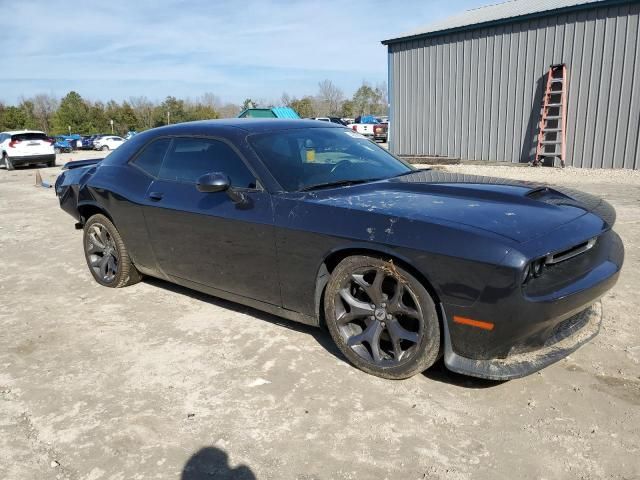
<point x="471" y="86"/>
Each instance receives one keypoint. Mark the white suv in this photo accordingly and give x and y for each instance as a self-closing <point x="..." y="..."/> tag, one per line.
<point x="26" y="147"/>
<point x="108" y="142"/>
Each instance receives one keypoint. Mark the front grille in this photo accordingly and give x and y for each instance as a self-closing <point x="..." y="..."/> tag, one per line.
<point x="570" y="252"/>
<point x="569" y="265"/>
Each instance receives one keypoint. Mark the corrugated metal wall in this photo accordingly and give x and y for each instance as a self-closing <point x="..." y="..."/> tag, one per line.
<point x="476" y="94"/>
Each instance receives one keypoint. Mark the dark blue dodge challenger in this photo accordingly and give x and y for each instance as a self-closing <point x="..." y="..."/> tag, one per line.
<point x="312" y="222"/>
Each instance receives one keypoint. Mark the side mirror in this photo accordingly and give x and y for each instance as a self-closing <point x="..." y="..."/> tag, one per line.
<point x="213" y="182"/>
<point x="219" y="182"/>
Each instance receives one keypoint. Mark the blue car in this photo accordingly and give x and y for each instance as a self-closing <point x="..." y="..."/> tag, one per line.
<point x="62" y="144"/>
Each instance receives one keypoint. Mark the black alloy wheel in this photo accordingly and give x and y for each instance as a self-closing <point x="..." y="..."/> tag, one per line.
<point x="106" y="254"/>
<point x="102" y="253"/>
<point x="382" y="318"/>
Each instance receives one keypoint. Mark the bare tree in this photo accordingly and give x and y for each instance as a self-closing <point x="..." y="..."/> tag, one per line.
<point x="286" y="99"/>
<point x="143" y="109"/>
<point x="209" y="100"/>
<point x="229" y="110"/>
<point x="329" y="98"/>
<point x="44" y="106"/>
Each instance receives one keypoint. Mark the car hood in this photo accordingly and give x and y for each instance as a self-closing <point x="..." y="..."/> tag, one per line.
<point x="514" y="209"/>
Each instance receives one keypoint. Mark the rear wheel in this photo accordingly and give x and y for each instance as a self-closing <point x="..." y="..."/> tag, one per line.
<point x="106" y="254"/>
<point x="104" y="148"/>
<point x="381" y="318"/>
<point x="7" y="162"/>
<point x="51" y="163"/>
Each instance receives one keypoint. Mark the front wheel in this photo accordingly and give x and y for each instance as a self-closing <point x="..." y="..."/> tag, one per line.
<point x="381" y="318"/>
<point x="104" y="148"/>
<point x="106" y="254"/>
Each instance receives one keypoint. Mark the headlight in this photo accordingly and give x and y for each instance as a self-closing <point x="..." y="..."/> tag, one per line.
<point x="533" y="270"/>
<point x="525" y="274"/>
<point x="537" y="266"/>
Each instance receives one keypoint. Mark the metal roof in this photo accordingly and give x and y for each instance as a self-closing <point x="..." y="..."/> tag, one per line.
<point x="496" y="13"/>
<point x="274" y="112"/>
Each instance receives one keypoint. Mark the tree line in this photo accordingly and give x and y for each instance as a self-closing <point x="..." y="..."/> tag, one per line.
<point x="75" y="114"/>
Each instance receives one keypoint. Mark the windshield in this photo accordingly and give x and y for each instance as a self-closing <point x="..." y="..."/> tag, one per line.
<point x="307" y="157"/>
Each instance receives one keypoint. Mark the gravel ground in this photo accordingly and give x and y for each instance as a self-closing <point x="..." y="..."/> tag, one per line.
<point x="155" y="381"/>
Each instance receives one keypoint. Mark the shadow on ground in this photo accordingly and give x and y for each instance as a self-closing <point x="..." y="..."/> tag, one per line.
<point x="438" y="372"/>
<point x="211" y="462"/>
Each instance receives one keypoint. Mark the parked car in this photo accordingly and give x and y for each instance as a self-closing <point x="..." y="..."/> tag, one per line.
<point x="26" y="147"/>
<point x="108" y="142"/>
<point x="98" y="137"/>
<point x="370" y="126"/>
<point x="313" y="222"/>
<point x="330" y="119"/>
<point x="61" y="144"/>
<point x="381" y="131"/>
<point x="87" y="142"/>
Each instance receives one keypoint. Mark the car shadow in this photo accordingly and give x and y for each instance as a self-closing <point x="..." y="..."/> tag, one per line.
<point x="438" y="372"/>
<point x="321" y="335"/>
<point x="211" y="462"/>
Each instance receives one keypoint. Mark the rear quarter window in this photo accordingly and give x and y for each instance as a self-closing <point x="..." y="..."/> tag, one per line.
<point x="150" y="158"/>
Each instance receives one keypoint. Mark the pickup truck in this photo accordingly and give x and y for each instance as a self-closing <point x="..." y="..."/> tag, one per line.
<point x="370" y="126"/>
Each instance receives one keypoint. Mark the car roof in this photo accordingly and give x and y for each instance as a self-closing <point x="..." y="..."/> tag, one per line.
<point x="17" y="132"/>
<point x="250" y="125"/>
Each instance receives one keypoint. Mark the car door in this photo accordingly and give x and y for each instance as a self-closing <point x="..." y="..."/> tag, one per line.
<point x="207" y="238"/>
<point x="115" y="142"/>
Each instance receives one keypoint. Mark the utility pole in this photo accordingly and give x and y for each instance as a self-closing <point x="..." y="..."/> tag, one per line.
<point x="168" y="117"/>
<point x="111" y="121"/>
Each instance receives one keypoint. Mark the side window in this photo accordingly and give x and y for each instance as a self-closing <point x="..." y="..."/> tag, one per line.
<point x="151" y="157"/>
<point x="190" y="158"/>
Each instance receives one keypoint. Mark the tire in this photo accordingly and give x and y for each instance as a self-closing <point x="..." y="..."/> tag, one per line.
<point x="51" y="163"/>
<point x="101" y="240"/>
<point x="104" y="148"/>
<point x="371" y="301"/>
<point x="7" y="162"/>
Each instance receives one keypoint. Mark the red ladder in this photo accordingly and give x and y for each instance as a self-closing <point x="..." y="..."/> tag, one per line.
<point x="552" y="137"/>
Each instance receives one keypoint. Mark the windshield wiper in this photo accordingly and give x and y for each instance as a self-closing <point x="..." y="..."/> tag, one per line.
<point x="409" y="172"/>
<point x="337" y="183"/>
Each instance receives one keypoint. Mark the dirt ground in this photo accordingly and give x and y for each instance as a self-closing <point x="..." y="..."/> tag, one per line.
<point x="155" y="381"/>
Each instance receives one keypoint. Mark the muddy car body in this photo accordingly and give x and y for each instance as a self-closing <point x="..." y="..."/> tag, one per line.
<point x="310" y="222"/>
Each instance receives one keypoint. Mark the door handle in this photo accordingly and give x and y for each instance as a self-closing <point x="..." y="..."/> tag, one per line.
<point x="156" y="196"/>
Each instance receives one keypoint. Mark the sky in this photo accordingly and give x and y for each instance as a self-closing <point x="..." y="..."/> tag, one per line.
<point x="255" y="49"/>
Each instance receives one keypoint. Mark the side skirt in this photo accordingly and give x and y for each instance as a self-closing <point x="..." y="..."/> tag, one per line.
<point x="249" y="302"/>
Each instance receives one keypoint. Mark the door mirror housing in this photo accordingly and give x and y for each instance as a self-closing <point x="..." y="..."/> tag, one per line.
<point x="220" y="182"/>
<point x="213" y="182"/>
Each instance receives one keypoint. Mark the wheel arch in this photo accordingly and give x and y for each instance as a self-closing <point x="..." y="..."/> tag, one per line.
<point x="333" y="258"/>
<point x="87" y="210"/>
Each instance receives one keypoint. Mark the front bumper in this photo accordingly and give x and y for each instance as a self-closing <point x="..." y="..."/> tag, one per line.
<point x="536" y="324"/>
<point x="575" y="332"/>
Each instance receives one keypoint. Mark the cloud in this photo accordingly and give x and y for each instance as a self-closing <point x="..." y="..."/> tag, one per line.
<point x="254" y="48"/>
